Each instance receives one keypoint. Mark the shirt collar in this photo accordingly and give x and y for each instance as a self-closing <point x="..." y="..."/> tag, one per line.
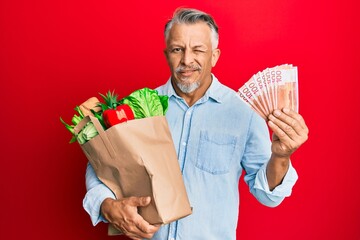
<point x="214" y="91"/>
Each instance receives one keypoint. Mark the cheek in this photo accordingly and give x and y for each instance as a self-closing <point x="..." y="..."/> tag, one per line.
<point x="206" y="63"/>
<point x="173" y="62"/>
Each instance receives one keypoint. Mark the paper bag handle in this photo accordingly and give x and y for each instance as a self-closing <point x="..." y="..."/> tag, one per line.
<point x="100" y="130"/>
<point x="103" y="136"/>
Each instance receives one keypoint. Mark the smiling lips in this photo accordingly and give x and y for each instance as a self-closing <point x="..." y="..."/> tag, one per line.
<point x="187" y="71"/>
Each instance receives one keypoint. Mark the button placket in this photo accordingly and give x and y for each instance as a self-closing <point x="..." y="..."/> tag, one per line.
<point x="184" y="137"/>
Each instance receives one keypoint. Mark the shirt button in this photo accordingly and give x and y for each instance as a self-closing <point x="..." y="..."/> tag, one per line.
<point x="184" y="144"/>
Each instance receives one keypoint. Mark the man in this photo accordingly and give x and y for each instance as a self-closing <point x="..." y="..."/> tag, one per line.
<point x="216" y="136"/>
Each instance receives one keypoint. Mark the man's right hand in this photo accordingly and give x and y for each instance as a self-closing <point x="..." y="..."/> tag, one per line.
<point x="123" y="214"/>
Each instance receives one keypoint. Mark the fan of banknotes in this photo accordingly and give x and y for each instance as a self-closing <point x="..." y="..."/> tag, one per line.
<point x="272" y="88"/>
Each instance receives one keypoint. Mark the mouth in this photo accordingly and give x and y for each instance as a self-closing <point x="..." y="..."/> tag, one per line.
<point x="186" y="73"/>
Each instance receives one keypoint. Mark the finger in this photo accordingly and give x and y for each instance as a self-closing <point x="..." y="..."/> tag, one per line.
<point x="133" y="236"/>
<point x="282" y="144"/>
<point x="291" y="122"/>
<point x="282" y="129"/>
<point x="281" y="135"/>
<point x="139" y="227"/>
<point x="136" y="238"/>
<point x="145" y="227"/>
<point x="298" y="117"/>
<point x="139" y="201"/>
<point x="140" y="230"/>
<point x="132" y="231"/>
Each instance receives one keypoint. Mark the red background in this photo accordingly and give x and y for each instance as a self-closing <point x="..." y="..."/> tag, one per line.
<point x="56" y="54"/>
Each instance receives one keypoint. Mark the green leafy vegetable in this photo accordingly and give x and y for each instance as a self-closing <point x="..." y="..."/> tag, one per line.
<point x="146" y="103"/>
<point x="143" y="103"/>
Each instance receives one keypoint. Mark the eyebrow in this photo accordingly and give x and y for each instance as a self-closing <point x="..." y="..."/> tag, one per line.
<point x="179" y="45"/>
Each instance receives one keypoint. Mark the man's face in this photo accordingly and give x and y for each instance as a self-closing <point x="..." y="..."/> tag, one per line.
<point x="190" y="55"/>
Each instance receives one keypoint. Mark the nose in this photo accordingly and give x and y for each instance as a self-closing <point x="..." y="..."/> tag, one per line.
<point x="187" y="58"/>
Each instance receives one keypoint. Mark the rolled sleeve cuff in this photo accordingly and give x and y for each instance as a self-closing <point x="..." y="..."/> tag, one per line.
<point x="93" y="200"/>
<point x="281" y="191"/>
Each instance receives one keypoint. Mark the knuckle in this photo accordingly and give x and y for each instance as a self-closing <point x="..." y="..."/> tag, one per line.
<point x="124" y="202"/>
<point x="294" y="123"/>
<point x="131" y="229"/>
<point x="288" y="128"/>
<point x="298" y="117"/>
<point x="281" y="134"/>
<point x="144" y="229"/>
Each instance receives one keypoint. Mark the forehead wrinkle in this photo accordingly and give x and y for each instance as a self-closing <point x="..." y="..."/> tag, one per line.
<point x="189" y="36"/>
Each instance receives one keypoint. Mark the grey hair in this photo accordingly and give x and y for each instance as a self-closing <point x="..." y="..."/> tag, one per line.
<point x="191" y="16"/>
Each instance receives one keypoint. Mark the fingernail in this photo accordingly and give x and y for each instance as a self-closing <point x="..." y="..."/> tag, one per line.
<point x="286" y="110"/>
<point x="277" y="113"/>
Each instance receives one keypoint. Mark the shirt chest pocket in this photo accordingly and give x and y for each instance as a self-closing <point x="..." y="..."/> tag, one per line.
<point x="216" y="152"/>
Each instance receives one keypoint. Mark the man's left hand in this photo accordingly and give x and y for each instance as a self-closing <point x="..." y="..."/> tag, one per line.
<point x="289" y="132"/>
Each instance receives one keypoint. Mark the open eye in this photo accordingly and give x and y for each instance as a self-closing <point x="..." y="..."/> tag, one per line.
<point x="176" y="50"/>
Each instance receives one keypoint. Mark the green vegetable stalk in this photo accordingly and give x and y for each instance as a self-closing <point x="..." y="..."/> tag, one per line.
<point x="88" y="132"/>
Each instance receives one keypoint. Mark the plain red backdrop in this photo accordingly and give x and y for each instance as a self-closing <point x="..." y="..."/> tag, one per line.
<point x="56" y="54"/>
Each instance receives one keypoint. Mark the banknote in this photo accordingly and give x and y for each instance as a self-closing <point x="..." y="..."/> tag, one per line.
<point x="270" y="89"/>
<point x="246" y="94"/>
<point x="287" y="88"/>
<point x="265" y="101"/>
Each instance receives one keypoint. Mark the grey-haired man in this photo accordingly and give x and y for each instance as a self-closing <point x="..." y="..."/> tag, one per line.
<point x="216" y="137"/>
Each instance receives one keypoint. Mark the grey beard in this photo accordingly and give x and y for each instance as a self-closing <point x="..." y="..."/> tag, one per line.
<point x="188" y="88"/>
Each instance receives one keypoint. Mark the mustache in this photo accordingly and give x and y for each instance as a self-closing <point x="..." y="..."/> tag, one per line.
<point x="188" y="68"/>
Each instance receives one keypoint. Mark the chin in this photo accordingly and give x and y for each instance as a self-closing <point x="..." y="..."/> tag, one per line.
<point x="188" y="87"/>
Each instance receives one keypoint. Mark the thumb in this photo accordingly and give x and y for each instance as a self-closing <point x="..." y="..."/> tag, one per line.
<point x="141" y="201"/>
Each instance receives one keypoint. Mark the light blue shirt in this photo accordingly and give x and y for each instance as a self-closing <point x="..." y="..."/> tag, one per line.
<point x="215" y="139"/>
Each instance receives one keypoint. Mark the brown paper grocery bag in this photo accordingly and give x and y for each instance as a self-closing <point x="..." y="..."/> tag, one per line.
<point x="138" y="158"/>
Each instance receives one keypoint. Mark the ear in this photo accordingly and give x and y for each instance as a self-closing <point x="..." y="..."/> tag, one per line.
<point x="215" y="56"/>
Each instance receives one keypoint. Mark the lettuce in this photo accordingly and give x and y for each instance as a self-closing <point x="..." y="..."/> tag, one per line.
<point x="146" y="102"/>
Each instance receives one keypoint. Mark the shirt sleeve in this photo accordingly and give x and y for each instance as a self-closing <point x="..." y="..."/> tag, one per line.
<point x="273" y="198"/>
<point x="256" y="157"/>
<point x="96" y="193"/>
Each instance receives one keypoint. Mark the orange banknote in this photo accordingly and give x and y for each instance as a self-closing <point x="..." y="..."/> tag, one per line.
<point x="270" y="89"/>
